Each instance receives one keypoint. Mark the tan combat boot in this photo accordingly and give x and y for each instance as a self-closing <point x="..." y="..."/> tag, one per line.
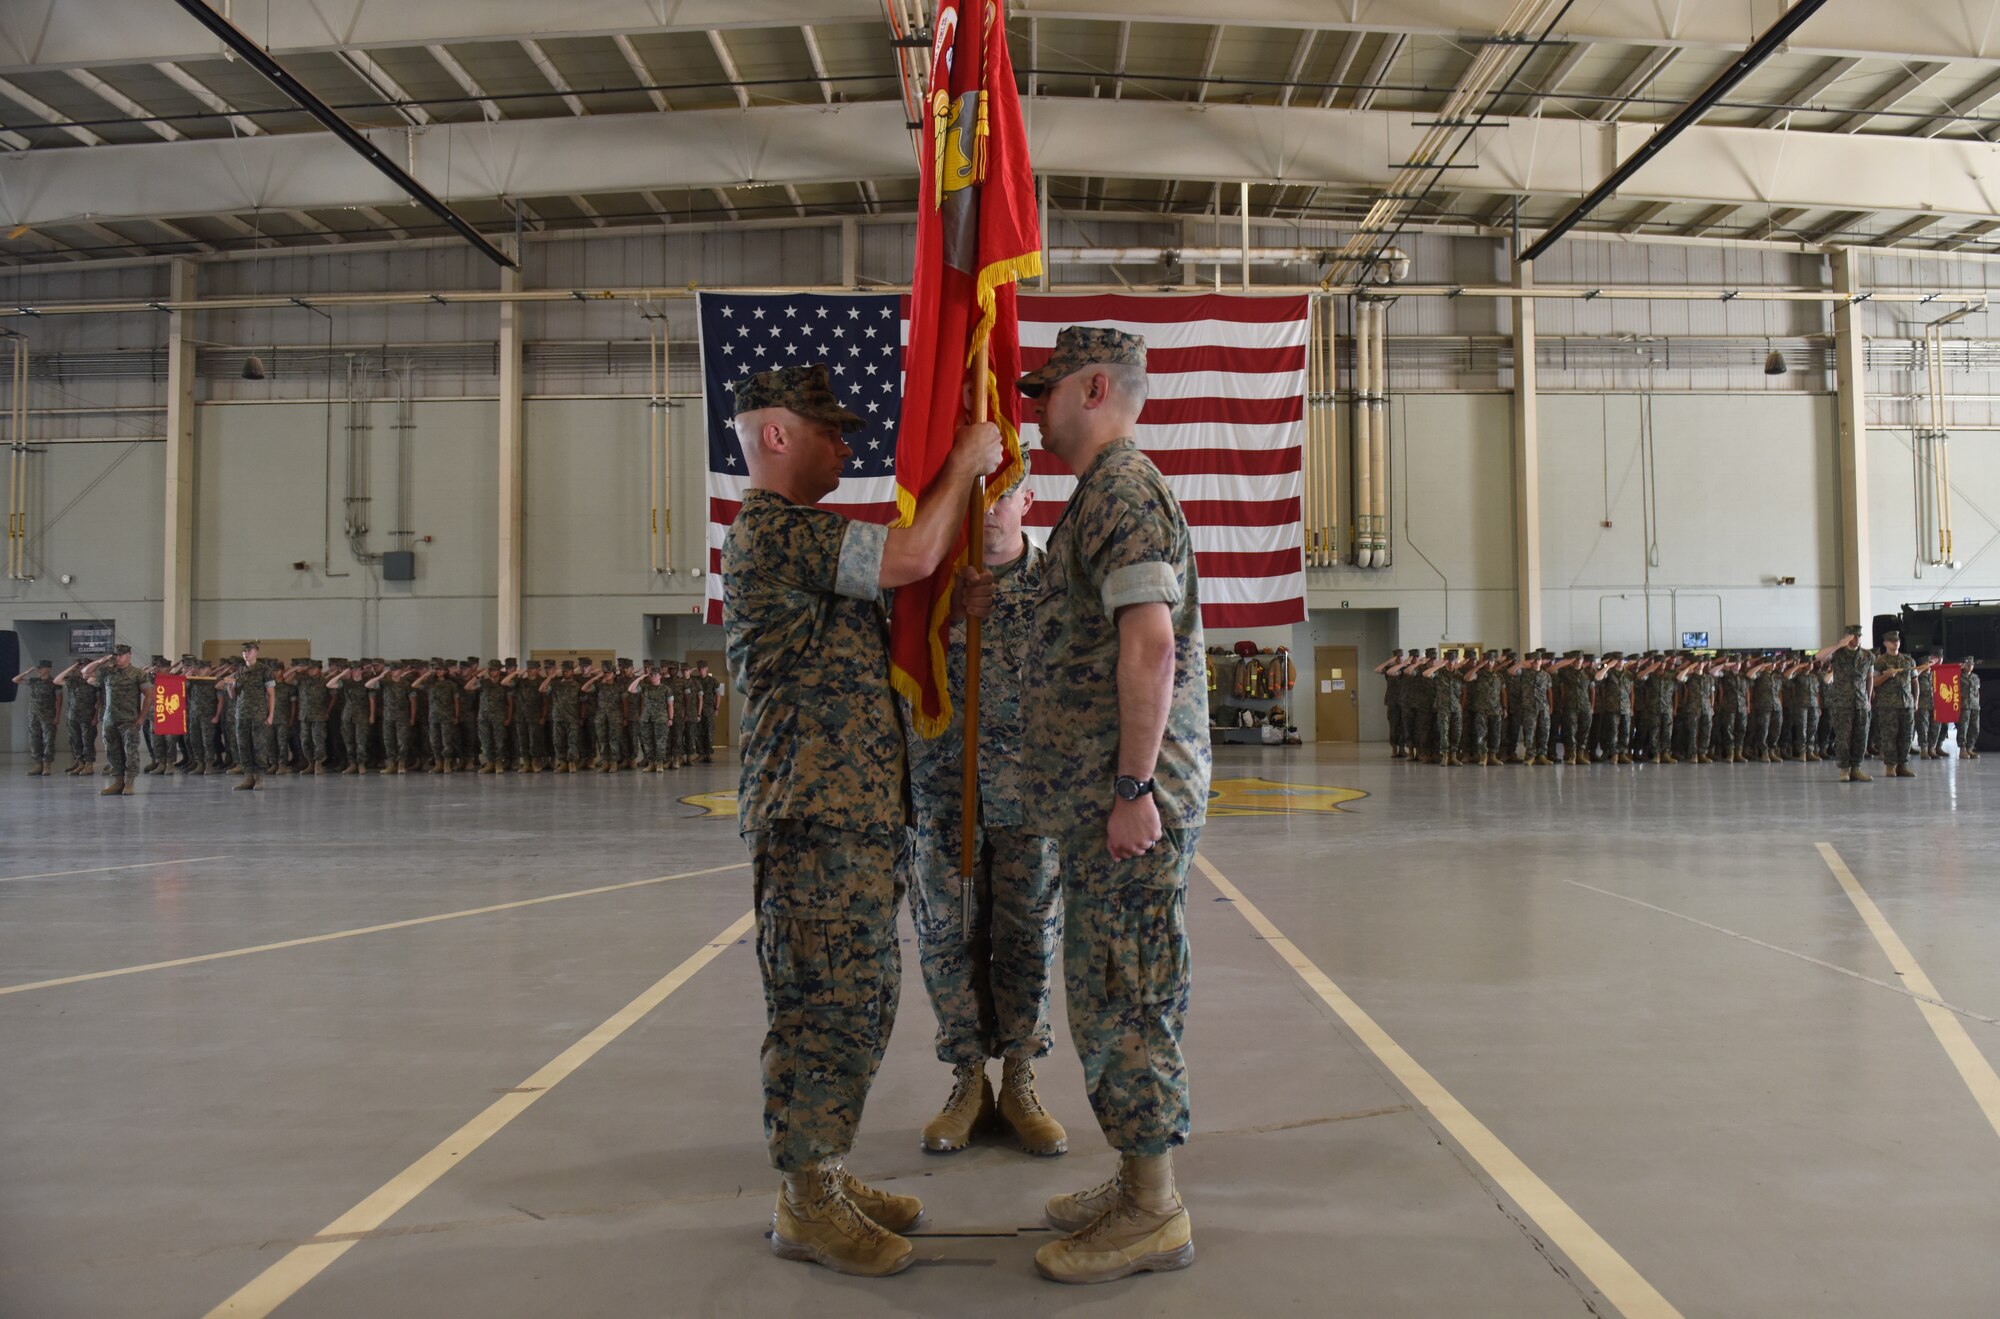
<point x="113" y="788"/>
<point x="818" y="1223"/>
<point x="969" y="1107"/>
<point x="885" y="1209"/>
<point x="1861" y="775"/>
<point x="125" y="787"/>
<point x="1146" y="1229"/>
<point x="1021" y="1108"/>
<point x="1902" y="772"/>
<point x="248" y="782"/>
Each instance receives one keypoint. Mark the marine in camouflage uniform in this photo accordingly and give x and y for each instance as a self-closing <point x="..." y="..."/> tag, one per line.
<point x="1802" y="689"/>
<point x="824" y="793"/>
<point x="708" y="690"/>
<point x="1968" y="708"/>
<point x="1447" y="693"/>
<point x="1126" y="833"/>
<point x="656" y="692"/>
<point x="1532" y="717"/>
<point x="315" y="705"/>
<point x="284" y="715"/>
<point x="1697" y="716"/>
<point x="1767" y="714"/>
<point x="1732" y="711"/>
<point x="1488" y="712"/>
<point x="606" y="722"/>
<point x="441" y="696"/>
<point x="466" y="735"/>
<point x="531" y="717"/>
<point x="251" y="695"/>
<point x="1848" y="702"/>
<point x="987" y="943"/>
<point x="1573" y="704"/>
<point x="79" y="717"/>
<point x="122" y="686"/>
<point x="1929" y="731"/>
<point x="1660" y="694"/>
<point x="564" y="691"/>
<point x="357" y="716"/>
<point x="1895" y="702"/>
<point x="495" y="713"/>
<point x="1418" y="721"/>
<point x="44" y="700"/>
<point x="203" y="712"/>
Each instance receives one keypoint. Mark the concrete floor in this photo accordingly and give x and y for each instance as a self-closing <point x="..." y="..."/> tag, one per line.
<point x="1646" y="982"/>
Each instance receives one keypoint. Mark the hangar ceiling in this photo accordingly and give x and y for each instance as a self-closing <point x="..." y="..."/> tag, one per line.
<point x="126" y="130"/>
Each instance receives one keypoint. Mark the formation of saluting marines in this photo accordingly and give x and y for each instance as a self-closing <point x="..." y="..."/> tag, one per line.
<point x="1843" y="703"/>
<point x="1085" y="833"/>
<point x="252" y="717"/>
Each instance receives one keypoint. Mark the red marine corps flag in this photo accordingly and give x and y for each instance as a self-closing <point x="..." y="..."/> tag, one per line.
<point x="1946" y="691"/>
<point x="976" y="235"/>
<point x="169" y="705"/>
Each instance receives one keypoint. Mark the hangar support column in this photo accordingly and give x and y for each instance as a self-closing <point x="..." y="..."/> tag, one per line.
<point x="1850" y="364"/>
<point x="1527" y="470"/>
<point x="507" y="578"/>
<point x="177" y="548"/>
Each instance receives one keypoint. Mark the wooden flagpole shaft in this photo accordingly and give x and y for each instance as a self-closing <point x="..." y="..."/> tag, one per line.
<point x="975" y="520"/>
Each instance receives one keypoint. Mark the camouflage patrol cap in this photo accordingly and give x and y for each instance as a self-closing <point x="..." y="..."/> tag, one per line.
<point x="806" y="390"/>
<point x="1969" y="662"/>
<point x="1430" y="652"/>
<point x="568" y="665"/>
<point x="1852" y="629"/>
<point x="493" y="664"/>
<point x="1079" y="346"/>
<point x="159" y="659"/>
<point x="624" y="664"/>
<point x="1892" y="636"/>
<point x="46" y="664"/>
<point x="513" y="663"/>
<point x="251" y="645"/>
<point x="121" y="649"/>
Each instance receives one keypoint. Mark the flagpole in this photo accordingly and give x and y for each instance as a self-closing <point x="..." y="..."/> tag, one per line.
<point x="975" y="518"/>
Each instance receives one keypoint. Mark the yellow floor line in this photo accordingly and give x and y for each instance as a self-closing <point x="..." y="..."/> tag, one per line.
<point x="301" y="1264"/>
<point x="1978" y="1073"/>
<point x="366" y="929"/>
<point x="99" y="870"/>
<point x="1607" y="1270"/>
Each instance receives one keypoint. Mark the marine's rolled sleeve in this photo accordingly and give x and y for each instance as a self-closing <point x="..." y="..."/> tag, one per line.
<point x="1140" y="584"/>
<point x="859" y="576"/>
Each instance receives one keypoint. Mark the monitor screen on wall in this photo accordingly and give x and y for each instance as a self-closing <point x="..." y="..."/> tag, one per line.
<point x="1694" y="641"/>
<point x="92" y="638"/>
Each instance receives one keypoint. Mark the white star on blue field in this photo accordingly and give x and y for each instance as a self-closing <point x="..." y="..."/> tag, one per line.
<point x="859" y="338"/>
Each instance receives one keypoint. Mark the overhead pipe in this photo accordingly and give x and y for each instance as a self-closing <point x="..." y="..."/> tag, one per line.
<point x="653" y="448"/>
<point x="17" y="464"/>
<point x="1359" y="440"/>
<point x="1378" y="434"/>
<point x="1309" y="522"/>
<point x="1330" y="467"/>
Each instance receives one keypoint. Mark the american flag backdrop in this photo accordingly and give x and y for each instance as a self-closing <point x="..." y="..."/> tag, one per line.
<point x="1224" y="420"/>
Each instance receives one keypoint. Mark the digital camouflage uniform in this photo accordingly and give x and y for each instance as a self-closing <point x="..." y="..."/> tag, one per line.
<point x="566" y="717"/>
<point x="1849" y="703"/>
<point x="123" y="688"/>
<point x="1895" y="706"/>
<point x="1697" y="717"/>
<point x="824" y="807"/>
<point x="80" y="717"/>
<point x="492" y="698"/>
<point x="1532" y="718"/>
<point x="252" y="704"/>
<point x="441" y="717"/>
<point x="355" y="722"/>
<point x="399" y="728"/>
<point x="315" y="702"/>
<point x="1447" y="693"/>
<point x="1801" y="713"/>
<point x="1573" y="705"/>
<point x="708" y="688"/>
<point x="203" y="702"/>
<point x="1732" y="713"/>
<point x="1488" y="688"/>
<point x="531" y="712"/>
<point x="41" y="693"/>
<point x="1929" y="732"/>
<point x="608" y="724"/>
<point x="1968" y="708"/>
<point x="1767" y="713"/>
<point x="466" y="736"/>
<point x="657" y="708"/>
<point x="988" y="984"/>
<point x="284" y="704"/>
<point x="1121" y="540"/>
<point x="1660" y="691"/>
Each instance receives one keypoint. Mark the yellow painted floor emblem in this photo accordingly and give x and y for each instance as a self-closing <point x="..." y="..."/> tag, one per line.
<point x="713" y="805"/>
<point x="1267" y="797"/>
<point x="1225" y="797"/>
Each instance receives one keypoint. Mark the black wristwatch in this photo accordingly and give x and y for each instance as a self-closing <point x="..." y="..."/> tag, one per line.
<point x="1131" y="789"/>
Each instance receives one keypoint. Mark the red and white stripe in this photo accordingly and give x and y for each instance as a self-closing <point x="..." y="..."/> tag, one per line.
<point x="1224" y="421"/>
